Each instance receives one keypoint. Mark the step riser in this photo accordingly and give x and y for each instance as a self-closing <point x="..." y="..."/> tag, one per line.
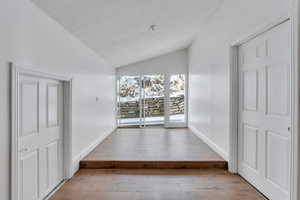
<point x="152" y="165"/>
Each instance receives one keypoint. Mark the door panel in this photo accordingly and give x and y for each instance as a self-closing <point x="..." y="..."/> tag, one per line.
<point x="29" y="96"/>
<point x="250" y="90"/>
<point x="40" y="139"/>
<point x="52" y="164"/>
<point x="277" y="90"/>
<point x="29" y="188"/>
<point x="250" y="146"/>
<point x="52" y="104"/>
<point x="264" y="112"/>
<point x="278" y="159"/>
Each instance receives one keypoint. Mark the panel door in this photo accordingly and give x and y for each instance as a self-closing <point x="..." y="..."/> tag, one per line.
<point x="39" y="137"/>
<point x="265" y="112"/>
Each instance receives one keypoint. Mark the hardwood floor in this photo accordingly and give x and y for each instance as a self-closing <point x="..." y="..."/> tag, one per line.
<point x="153" y="148"/>
<point x="187" y="184"/>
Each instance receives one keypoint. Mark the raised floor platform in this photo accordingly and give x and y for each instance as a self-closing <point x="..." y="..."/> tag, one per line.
<point x="153" y="148"/>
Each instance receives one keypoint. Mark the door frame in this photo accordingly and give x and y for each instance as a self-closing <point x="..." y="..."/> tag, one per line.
<point x="234" y="96"/>
<point x="15" y="72"/>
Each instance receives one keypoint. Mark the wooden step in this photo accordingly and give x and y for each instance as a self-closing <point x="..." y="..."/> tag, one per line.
<point x="96" y="164"/>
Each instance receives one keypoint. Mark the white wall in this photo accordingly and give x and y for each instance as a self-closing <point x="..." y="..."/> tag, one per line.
<point x="209" y="64"/>
<point x="30" y="38"/>
<point x="174" y="62"/>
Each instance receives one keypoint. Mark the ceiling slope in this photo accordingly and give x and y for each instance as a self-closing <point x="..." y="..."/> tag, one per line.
<point x="119" y="30"/>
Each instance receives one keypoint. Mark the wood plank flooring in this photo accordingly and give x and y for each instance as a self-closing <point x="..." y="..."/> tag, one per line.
<point x="187" y="184"/>
<point x="153" y="148"/>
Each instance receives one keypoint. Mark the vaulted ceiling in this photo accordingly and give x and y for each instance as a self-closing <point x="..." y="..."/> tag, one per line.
<point x="119" y="30"/>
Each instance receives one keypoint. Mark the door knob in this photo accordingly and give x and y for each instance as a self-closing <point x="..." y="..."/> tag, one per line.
<point x="23" y="150"/>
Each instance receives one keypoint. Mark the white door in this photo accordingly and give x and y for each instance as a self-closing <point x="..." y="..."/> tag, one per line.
<point x="265" y="112"/>
<point x="39" y="137"/>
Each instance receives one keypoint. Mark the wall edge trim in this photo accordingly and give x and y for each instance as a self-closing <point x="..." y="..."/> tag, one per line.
<point x="210" y="143"/>
<point x="76" y="159"/>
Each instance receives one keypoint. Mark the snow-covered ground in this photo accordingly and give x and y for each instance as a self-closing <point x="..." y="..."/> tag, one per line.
<point x="151" y="120"/>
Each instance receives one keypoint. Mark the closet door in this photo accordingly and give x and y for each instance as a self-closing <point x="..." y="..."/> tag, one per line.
<point x="264" y="112"/>
<point x="39" y="137"/>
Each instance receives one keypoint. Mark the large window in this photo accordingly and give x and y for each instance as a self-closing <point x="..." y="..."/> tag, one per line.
<point x="153" y="99"/>
<point x="129" y="93"/>
<point x="143" y="100"/>
<point x="177" y="98"/>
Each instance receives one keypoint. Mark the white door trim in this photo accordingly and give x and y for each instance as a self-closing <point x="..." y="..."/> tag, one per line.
<point x="16" y="71"/>
<point x="234" y="97"/>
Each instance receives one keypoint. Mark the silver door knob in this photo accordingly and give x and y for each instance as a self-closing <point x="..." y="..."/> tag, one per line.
<point x="23" y="150"/>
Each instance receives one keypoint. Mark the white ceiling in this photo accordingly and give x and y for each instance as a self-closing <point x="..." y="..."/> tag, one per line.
<point x="118" y="30"/>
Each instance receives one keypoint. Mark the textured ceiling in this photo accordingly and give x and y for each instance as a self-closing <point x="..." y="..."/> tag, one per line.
<point x="118" y="30"/>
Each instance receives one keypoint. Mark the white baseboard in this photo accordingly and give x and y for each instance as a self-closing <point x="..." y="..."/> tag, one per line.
<point x="210" y="143"/>
<point x="89" y="149"/>
<point x="55" y="190"/>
